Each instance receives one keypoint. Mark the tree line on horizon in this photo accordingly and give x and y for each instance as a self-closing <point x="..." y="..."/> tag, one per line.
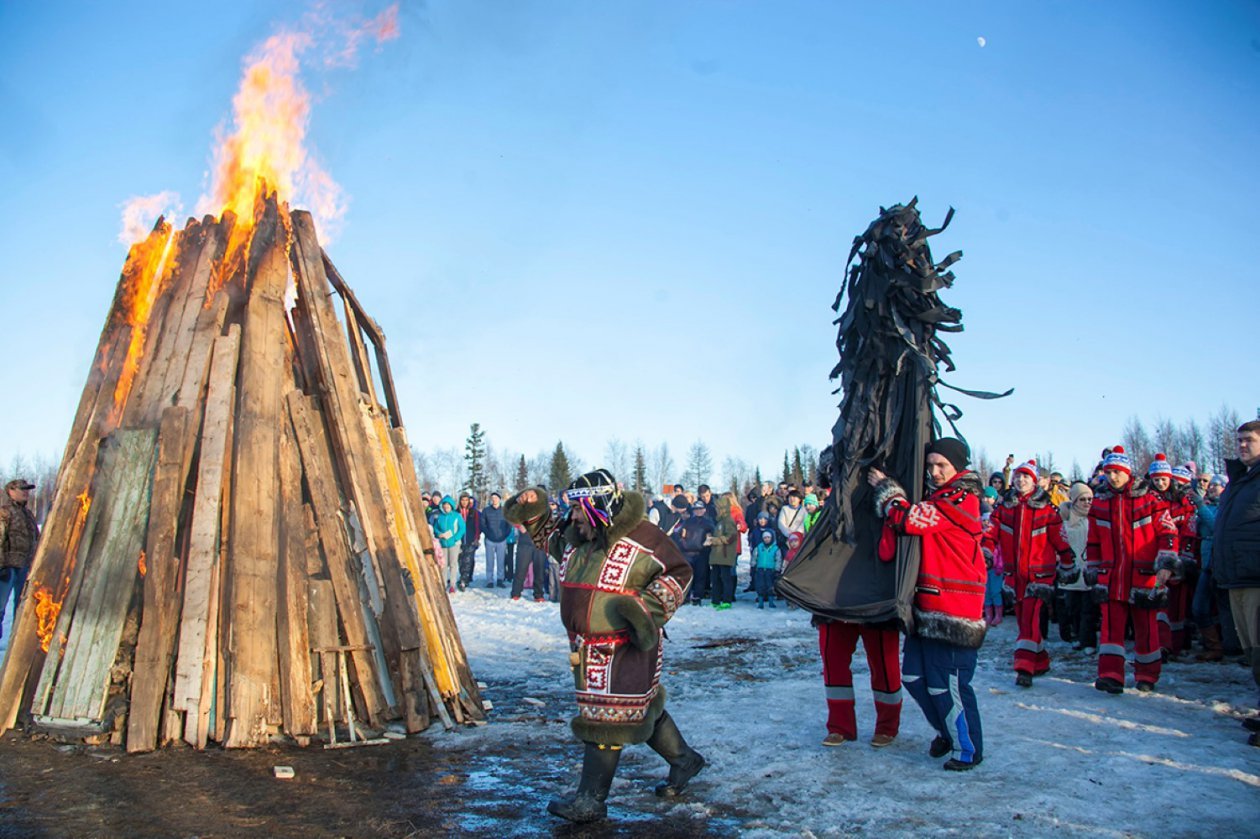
<point x="481" y="468"/>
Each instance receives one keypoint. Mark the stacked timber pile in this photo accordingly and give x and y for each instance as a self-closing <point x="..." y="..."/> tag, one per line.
<point x="237" y="547"/>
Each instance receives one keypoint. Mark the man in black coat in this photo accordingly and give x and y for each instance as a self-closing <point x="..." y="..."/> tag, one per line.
<point x="1236" y="549"/>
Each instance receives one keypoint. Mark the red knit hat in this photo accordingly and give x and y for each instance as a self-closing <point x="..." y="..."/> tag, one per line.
<point x="1160" y="466"/>
<point x="1118" y="459"/>
<point x="1029" y="468"/>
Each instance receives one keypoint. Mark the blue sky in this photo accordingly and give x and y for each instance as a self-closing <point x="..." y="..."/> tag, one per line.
<point x="588" y="220"/>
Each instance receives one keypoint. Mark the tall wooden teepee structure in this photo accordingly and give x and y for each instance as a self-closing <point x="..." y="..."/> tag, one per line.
<point x="237" y="547"/>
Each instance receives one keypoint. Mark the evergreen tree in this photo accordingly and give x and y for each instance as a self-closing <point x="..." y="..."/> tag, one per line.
<point x="787" y="469"/>
<point x="798" y="472"/>
<point x="475" y="461"/>
<point x="522" y="474"/>
<point x="757" y="477"/>
<point x="559" y="477"/>
<point x="640" y="482"/>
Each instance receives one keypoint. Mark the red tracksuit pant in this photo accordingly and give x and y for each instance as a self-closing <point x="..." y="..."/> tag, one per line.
<point x="1146" y="652"/>
<point x="1172" y="619"/>
<point x="1030" y="650"/>
<point x="836" y="641"/>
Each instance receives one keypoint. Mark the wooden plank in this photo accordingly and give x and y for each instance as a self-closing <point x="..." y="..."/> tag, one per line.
<point x="375" y="334"/>
<point x="352" y="447"/>
<point x="322" y="620"/>
<point x="254" y="537"/>
<point x="213" y="716"/>
<point x="317" y="467"/>
<point x="171" y="325"/>
<point x="294" y="641"/>
<point x="358" y="355"/>
<point x="54" y="558"/>
<point x="209" y="328"/>
<point x="109" y="579"/>
<point x="204" y="528"/>
<point x="435" y="604"/>
<point x="156" y="642"/>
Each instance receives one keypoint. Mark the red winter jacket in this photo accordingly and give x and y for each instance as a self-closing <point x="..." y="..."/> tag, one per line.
<point x="1128" y="530"/>
<point x="949" y="595"/>
<point x="1029" y="532"/>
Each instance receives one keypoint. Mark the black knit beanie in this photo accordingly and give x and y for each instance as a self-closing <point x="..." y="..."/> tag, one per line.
<point x="953" y="450"/>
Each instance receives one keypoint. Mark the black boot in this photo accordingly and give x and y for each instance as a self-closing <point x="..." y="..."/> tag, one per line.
<point x="599" y="765"/>
<point x="684" y="762"/>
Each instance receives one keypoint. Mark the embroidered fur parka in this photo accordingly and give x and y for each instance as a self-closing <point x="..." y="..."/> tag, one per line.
<point x="614" y="599"/>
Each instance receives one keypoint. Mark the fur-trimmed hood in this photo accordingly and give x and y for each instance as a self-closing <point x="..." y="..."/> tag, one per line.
<point x="1037" y="499"/>
<point x="1135" y="488"/>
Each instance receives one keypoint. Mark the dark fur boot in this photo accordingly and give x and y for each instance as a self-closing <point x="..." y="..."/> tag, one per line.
<point x="599" y="765"/>
<point x="684" y="762"/>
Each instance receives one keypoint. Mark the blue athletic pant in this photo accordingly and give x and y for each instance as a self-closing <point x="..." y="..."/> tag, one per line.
<point x="938" y="675"/>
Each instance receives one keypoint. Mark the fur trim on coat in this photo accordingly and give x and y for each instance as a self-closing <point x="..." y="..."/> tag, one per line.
<point x="885" y="491"/>
<point x="949" y="628"/>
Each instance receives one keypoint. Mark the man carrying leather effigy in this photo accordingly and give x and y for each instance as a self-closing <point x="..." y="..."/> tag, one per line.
<point x="889" y="354"/>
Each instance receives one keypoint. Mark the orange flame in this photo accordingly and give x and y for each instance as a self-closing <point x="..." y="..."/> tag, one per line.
<point x="143" y="272"/>
<point x="144" y="569"/>
<point x="47" y="608"/>
<point x="85" y="503"/>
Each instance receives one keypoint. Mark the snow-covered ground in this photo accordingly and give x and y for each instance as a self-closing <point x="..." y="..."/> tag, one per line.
<point x="746" y="688"/>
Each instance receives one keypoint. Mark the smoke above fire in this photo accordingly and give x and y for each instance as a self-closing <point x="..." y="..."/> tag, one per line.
<point x="265" y="143"/>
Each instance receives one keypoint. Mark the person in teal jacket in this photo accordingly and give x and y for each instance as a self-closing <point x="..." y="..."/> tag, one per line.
<point x="449" y="529"/>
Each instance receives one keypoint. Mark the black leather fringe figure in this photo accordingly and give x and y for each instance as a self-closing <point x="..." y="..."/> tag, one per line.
<point x="890" y="356"/>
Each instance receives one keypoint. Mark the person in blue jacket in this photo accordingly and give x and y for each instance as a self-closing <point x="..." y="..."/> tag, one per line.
<point x="448" y="526"/>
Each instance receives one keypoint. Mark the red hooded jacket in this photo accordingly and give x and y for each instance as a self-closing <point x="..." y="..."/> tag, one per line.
<point x="1128" y="532"/>
<point x="949" y="595"/>
<point x="1029" y="531"/>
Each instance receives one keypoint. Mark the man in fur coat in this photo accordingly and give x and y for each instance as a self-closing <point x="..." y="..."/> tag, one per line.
<point x="622" y="579"/>
<point x="1027" y="526"/>
<point x="939" y="657"/>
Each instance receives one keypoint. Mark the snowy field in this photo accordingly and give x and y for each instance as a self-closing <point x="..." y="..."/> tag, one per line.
<point x="746" y="688"/>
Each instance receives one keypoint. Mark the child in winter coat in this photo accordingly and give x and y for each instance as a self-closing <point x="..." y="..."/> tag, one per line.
<point x="994" y="607"/>
<point x="449" y="527"/>
<point x="767" y="564"/>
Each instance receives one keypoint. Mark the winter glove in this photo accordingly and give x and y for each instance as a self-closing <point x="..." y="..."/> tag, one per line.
<point x="1154" y="597"/>
<point x="1008" y="597"/>
<point x="1098" y="594"/>
<point x="1041" y="591"/>
<point x="1091" y="576"/>
<point x="885" y="492"/>
<point x="1068" y="574"/>
<point x="1167" y="561"/>
<point x="629" y="613"/>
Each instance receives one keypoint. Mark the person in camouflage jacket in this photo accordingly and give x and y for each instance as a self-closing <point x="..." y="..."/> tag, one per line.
<point x="622" y="579"/>
<point x="19" y="536"/>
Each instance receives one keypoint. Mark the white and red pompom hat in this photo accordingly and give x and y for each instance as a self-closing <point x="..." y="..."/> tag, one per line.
<point x="1160" y="466"/>
<point x="1183" y="474"/>
<point x="1029" y="468"/>
<point x="1118" y="459"/>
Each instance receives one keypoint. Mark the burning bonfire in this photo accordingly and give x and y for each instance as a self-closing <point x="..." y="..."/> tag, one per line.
<point x="237" y="547"/>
